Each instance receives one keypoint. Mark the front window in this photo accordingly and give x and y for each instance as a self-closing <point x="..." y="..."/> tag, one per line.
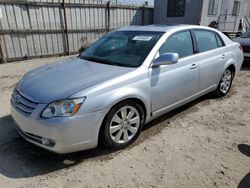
<point x="122" y="48"/>
<point x="180" y="43"/>
<point x="213" y="7"/>
<point x="176" y="8"/>
<point x="236" y="8"/>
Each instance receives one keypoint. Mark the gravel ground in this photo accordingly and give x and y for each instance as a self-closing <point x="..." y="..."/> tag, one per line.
<point x="206" y="143"/>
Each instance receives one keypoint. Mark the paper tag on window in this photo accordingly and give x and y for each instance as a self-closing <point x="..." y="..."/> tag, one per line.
<point x="142" y="38"/>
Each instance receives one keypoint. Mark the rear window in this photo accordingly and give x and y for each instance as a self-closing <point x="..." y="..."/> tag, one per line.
<point x="206" y="40"/>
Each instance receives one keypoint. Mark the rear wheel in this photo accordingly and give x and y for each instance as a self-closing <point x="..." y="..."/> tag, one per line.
<point x="225" y="83"/>
<point x="123" y="125"/>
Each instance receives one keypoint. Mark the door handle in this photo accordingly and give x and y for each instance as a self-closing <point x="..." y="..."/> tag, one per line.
<point x="223" y="56"/>
<point x="193" y="66"/>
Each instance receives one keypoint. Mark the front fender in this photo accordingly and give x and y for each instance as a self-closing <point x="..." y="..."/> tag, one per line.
<point x="107" y="100"/>
<point x="104" y="96"/>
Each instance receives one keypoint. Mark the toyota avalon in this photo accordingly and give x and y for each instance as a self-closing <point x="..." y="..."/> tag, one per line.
<point x="127" y="78"/>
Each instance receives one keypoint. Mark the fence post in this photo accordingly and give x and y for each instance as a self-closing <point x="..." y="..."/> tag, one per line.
<point x="66" y="28"/>
<point x="2" y="54"/>
<point x="143" y="15"/>
<point x="107" y="16"/>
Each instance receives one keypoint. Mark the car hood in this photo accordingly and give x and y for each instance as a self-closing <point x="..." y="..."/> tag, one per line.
<point x="243" y="41"/>
<point x="62" y="79"/>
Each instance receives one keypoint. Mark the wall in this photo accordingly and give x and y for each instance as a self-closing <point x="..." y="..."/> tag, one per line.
<point x="232" y="21"/>
<point x="197" y="12"/>
<point x="192" y="12"/>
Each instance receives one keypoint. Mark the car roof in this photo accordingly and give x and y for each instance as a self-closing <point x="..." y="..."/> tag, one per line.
<point x="163" y="28"/>
<point x="174" y="28"/>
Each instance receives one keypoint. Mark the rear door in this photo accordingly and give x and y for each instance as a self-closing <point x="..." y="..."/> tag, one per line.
<point x="212" y="57"/>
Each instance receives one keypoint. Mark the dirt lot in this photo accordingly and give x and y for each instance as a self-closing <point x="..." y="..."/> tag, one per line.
<point x="203" y="144"/>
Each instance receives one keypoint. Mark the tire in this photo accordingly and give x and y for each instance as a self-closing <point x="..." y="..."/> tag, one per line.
<point x="225" y="83"/>
<point x="122" y="125"/>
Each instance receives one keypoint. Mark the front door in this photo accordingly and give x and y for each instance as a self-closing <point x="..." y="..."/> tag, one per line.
<point x="173" y="84"/>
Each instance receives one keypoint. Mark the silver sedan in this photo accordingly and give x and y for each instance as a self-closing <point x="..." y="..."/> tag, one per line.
<point x="244" y="40"/>
<point x="126" y="79"/>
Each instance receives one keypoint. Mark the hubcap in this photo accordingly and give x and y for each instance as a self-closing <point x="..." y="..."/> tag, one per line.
<point x="124" y="125"/>
<point x="226" y="81"/>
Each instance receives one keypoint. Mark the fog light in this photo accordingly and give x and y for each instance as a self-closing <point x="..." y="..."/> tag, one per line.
<point x="45" y="141"/>
<point x="48" y="142"/>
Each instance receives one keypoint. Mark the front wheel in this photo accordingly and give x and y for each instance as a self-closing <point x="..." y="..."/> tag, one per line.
<point x="122" y="125"/>
<point x="225" y="83"/>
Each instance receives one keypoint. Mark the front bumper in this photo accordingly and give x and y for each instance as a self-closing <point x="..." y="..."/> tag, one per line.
<point x="247" y="57"/>
<point x="70" y="134"/>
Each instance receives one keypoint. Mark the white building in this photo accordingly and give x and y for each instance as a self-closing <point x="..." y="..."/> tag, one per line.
<point x="226" y="14"/>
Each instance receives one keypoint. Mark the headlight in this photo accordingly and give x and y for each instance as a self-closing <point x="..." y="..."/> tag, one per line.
<point x="62" y="108"/>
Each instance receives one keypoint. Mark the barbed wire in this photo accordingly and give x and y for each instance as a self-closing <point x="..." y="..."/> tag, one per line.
<point x="134" y="2"/>
<point x="118" y="2"/>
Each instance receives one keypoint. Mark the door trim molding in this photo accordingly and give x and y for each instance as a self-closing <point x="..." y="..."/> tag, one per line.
<point x="183" y="101"/>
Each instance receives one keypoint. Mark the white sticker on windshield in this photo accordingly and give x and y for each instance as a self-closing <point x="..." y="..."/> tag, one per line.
<point x="142" y="38"/>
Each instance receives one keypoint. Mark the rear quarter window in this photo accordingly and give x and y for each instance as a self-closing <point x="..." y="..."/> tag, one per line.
<point x="220" y="42"/>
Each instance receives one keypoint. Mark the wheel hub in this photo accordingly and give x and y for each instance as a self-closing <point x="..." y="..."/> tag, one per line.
<point x="125" y="124"/>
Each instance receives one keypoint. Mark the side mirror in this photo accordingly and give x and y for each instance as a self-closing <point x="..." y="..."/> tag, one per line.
<point x="166" y="59"/>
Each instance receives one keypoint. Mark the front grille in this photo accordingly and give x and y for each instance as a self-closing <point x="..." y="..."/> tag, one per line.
<point x="246" y="49"/>
<point x="22" y="103"/>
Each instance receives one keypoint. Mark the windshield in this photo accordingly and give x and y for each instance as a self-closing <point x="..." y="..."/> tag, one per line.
<point x="246" y="34"/>
<point x="122" y="48"/>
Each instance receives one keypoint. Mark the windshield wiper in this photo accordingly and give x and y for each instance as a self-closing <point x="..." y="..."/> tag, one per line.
<point x="119" y="64"/>
<point x="98" y="60"/>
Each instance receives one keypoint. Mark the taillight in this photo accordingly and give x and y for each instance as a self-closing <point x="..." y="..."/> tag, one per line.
<point x="241" y="48"/>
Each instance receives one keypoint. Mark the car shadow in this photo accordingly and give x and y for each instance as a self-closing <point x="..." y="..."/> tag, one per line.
<point x="245" y="182"/>
<point x="19" y="158"/>
<point x="246" y="65"/>
<point x="244" y="149"/>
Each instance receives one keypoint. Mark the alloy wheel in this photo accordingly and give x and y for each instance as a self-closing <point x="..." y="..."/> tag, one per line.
<point x="226" y="81"/>
<point x="124" y="124"/>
